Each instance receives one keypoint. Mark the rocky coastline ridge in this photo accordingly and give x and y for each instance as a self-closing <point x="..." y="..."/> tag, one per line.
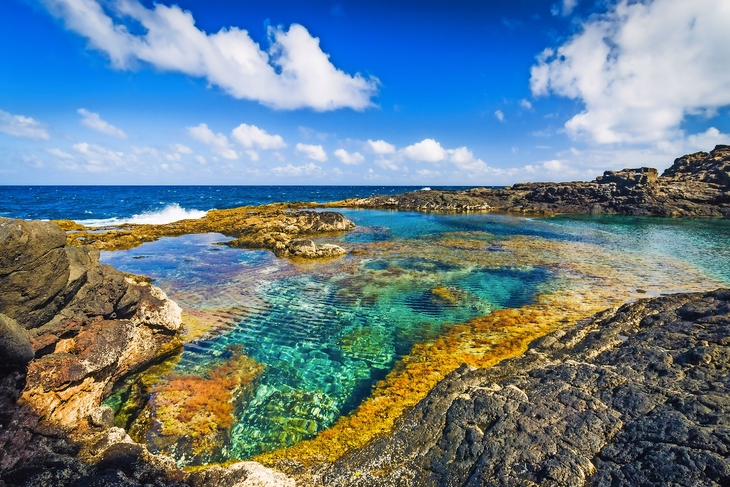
<point x="637" y="395"/>
<point x="696" y="185"/>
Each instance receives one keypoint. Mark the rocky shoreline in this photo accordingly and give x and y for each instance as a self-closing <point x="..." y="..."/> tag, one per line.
<point x="636" y="395"/>
<point x="696" y="185"/>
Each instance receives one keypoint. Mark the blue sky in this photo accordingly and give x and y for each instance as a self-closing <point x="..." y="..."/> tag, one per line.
<point x="356" y="92"/>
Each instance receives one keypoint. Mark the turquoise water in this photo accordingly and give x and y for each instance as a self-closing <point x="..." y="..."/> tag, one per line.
<point x="328" y="331"/>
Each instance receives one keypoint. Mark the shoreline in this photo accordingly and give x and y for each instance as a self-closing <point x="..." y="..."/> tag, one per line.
<point x="285" y="232"/>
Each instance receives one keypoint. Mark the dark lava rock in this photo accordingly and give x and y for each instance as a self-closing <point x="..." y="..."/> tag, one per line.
<point x="638" y="395"/>
<point x="697" y="185"/>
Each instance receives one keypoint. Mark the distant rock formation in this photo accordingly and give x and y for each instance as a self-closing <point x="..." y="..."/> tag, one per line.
<point x="697" y="185"/>
<point x="638" y="395"/>
<point x="280" y="227"/>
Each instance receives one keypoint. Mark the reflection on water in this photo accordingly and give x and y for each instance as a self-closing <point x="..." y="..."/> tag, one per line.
<point x="319" y="338"/>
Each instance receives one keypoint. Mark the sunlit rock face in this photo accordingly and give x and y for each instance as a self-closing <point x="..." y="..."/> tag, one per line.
<point x="339" y="349"/>
<point x="78" y="325"/>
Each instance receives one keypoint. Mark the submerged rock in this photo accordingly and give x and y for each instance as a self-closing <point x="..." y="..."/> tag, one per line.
<point x="638" y="395"/>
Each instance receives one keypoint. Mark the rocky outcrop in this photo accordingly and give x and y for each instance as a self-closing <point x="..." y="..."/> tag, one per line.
<point x="278" y="227"/>
<point x="69" y="329"/>
<point x="697" y="185"/>
<point x="638" y="395"/>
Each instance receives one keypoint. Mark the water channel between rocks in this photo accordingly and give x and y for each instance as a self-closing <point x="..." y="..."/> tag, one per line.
<point x="278" y="351"/>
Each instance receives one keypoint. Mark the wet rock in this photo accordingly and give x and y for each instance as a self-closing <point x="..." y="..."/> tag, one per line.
<point x="637" y="395"/>
<point x="309" y="250"/>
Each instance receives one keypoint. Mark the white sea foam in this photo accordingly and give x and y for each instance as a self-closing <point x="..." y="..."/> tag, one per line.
<point x="170" y="213"/>
<point x="425" y="189"/>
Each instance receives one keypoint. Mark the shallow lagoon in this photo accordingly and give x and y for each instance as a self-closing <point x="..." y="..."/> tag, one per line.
<point x="329" y="337"/>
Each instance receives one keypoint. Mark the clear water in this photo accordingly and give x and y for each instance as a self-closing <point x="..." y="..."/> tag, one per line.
<point x="328" y="331"/>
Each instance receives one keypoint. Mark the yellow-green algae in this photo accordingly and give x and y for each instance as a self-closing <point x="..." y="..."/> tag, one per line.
<point x="590" y="279"/>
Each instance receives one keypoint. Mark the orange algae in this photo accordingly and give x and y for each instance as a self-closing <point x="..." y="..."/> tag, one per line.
<point x="587" y="279"/>
<point x="192" y="413"/>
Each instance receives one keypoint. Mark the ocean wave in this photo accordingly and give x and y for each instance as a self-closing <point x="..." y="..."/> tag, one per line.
<point x="170" y="213"/>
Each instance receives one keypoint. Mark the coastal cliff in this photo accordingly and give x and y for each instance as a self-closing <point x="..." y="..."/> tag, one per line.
<point x="696" y="185"/>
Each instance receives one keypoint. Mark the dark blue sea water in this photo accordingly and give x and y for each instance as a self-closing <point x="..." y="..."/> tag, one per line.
<point x="159" y="204"/>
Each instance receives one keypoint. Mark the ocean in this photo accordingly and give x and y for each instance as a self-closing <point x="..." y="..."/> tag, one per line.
<point x="110" y="205"/>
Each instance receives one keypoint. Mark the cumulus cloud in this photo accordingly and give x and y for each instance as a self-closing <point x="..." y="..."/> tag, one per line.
<point x="218" y="143"/>
<point x="292" y="73"/>
<point x="428" y="150"/>
<point x="314" y="152"/>
<point x="250" y="136"/>
<point x="253" y="155"/>
<point x="500" y="115"/>
<point x="381" y="147"/>
<point x="524" y="103"/>
<point x="201" y="159"/>
<point x="59" y="153"/>
<point x="349" y="158"/>
<point x="464" y="159"/>
<point x="94" y="122"/>
<point x="707" y="140"/>
<point x="640" y="68"/>
<point x="290" y="170"/>
<point x="21" y="126"/>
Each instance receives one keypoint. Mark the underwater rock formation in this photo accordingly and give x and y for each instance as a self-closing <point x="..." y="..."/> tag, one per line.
<point x="638" y="395"/>
<point x="697" y="185"/>
<point x="273" y="227"/>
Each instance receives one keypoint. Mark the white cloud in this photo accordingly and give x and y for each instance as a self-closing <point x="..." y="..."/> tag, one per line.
<point x="250" y="136"/>
<point x="181" y="149"/>
<point x="641" y="68"/>
<point x="389" y="164"/>
<point x="347" y="158"/>
<point x="500" y="115"/>
<point x="565" y="9"/>
<point x="21" y="126"/>
<point x="314" y="152"/>
<point x="218" y="143"/>
<point x="94" y="122"/>
<point x="201" y="159"/>
<point x="524" y="103"/>
<point x="175" y="156"/>
<point x="428" y="150"/>
<point x="253" y="155"/>
<point x="707" y="140"/>
<point x="146" y="150"/>
<point x="293" y="73"/>
<point x="59" y="153"/>
<point x="290" y="170"/>
<point x="381" y="147"/>
<point x="98" y="158"/>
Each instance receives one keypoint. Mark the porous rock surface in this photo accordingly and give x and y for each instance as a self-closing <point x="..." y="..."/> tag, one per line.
<point x="638" y="395"/>
<point x="696" y="185"/>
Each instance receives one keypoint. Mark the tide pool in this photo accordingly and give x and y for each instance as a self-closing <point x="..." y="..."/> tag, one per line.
<point x="301" y="345"/>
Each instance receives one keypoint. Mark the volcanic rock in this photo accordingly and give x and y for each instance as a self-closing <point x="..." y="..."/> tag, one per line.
<point x="697" y="185"/>
<point x="638" y="395"/>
